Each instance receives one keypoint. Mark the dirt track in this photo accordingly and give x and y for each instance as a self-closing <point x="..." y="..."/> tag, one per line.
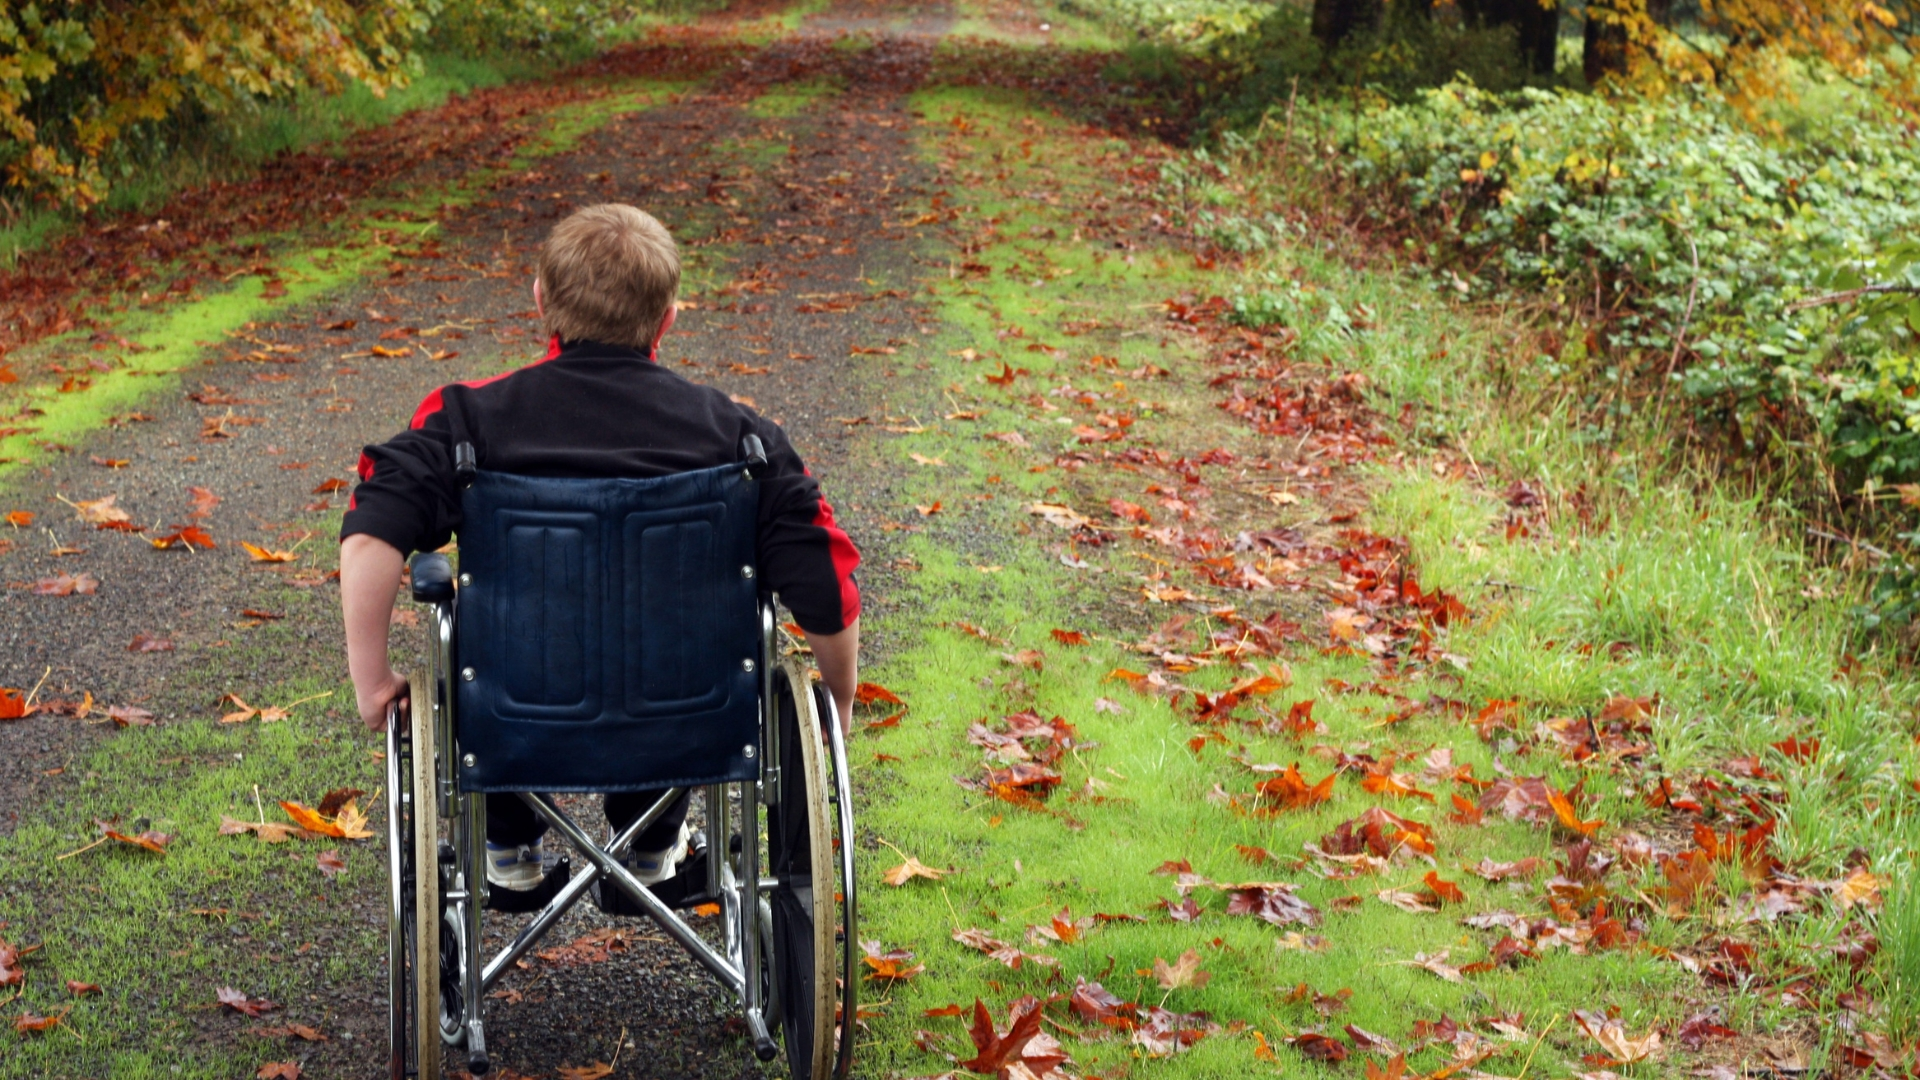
<point x="792" y="213"/>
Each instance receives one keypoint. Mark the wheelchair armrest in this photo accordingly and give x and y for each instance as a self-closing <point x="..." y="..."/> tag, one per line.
<point x="432" y="578"/>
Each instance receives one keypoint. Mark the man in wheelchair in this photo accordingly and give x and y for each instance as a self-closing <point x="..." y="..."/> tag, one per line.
<point x="597" y="407"/>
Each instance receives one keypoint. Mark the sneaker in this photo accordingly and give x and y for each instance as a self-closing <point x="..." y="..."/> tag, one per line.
<point x="514" y="866"/>
<point x="653" y="867"/>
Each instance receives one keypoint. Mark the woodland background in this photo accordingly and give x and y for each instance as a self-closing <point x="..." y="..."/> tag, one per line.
<point x="1704" y="204"/>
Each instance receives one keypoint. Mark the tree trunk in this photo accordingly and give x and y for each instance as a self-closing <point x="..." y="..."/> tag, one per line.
<point x="1334" y="20"/>
<point x="1539" y="27"/>
<point x="1609" y="50"/>
<point x="1605" y="50"/>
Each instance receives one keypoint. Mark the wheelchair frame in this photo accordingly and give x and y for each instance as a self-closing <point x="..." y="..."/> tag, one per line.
<point x="444" y="907"/>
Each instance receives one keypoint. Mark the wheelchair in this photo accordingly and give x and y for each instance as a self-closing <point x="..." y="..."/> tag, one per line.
<point x="608" y="635"/>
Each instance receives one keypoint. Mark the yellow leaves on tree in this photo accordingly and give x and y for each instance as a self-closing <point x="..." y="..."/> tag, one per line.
<point x="107" y="67"/>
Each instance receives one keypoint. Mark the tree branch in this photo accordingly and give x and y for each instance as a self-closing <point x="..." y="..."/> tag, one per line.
<point x="1852" y="294"/>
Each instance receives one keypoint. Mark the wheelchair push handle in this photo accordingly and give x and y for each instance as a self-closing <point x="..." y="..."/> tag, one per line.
<point x="464" y="463"/>
<point x="754" y="453"/>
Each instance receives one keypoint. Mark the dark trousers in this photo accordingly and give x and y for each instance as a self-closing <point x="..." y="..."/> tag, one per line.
<point x="511" y="822"/>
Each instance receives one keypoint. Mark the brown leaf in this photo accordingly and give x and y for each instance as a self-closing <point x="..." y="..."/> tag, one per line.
<point x="241" y="1003"/>
<point x="279" y="1070"/>
<point x="907" y="871"/>
<point x="82" y="989"/>
<point x="330" y="863"/>
<point x="1319" y="1047"/>
<point x="129" y="716"/>
<point x="889" y="965"/>
<point x="201" y="502"/>
<point x="1068" y="637"/>
<point x="333" y="801"/>
<point x="1182" y="972"/>
<point x="64" y="584"/>
<point x="101" y="511"/>
<point x="30" y="1022"/>
<point x="150" y="840"/>
<point x="1612" y="1037"/>
<point x="149" y="643"/>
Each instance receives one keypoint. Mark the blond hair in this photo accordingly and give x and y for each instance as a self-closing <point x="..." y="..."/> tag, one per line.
<point x="608" y="273"/>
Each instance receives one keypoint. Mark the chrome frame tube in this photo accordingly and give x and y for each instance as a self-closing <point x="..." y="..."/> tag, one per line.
<point x="569" y="895"/>
<point x="473" y="881"/>
<point x="398" y="991"/>
<point x="717" y="834"/>
<point x="621" y="876"/>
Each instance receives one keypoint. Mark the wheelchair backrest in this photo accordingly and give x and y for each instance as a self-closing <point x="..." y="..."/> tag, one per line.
<point x="607" y="632"/>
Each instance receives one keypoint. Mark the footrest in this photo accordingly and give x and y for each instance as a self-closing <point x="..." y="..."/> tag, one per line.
<point x="687" y="887"/>
<point x="522" y="901"/>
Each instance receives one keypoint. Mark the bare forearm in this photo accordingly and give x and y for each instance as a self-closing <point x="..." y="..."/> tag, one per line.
<point x="838" y="657"/>
<point x="369" y="579"/>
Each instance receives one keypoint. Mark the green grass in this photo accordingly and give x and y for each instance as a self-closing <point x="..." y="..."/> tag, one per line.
<point x="125" y="918"/>
<point x="1735" y="633"/>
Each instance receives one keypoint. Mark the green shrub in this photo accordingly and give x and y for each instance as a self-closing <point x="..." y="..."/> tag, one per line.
<point x="1699" y="235"/>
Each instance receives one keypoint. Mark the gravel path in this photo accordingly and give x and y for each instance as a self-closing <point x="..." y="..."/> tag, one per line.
<point x="803" y="210"/>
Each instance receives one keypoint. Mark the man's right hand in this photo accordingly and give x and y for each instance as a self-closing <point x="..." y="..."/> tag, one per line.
<point x="374" y="699"/>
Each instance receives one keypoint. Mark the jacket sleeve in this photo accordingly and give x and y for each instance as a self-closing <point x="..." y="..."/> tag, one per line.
<point x="407" y="495"/>
<point x="804" y="554"/>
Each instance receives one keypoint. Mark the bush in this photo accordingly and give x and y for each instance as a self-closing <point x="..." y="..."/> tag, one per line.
<point x="1701" y="236"/>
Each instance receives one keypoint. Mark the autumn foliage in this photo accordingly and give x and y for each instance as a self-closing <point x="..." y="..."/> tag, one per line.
<point x="79" y="79"/>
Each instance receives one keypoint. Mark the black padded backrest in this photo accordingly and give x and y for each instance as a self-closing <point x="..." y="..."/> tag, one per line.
<point x="607" y="625"/>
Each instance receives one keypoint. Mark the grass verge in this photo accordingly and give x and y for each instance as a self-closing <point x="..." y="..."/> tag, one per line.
<point x="1631" y="640"/>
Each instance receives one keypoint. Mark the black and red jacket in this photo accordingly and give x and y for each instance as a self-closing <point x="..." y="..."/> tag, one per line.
<point x="592" y="410"/>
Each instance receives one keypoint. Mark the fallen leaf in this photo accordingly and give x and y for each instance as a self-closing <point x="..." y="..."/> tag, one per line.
<point x="129" y="716"/>
<point x="19" y="519"/>
<point x="889" y="965"/>
<point x="867" y="693"/>
<point x="1319" y="1047"/>
<point x="101" y="511"/>
<point x="241" y="1003"/>
<point x="1612" y="1037"/>
<point x="65" y="584"/>
<point x="201" y="502"/>
<point x="1068" y="637"/>
<point x="1166" y="1033"/>
<point x="279" y="1070"/>
<point x="82" y="989"/>
<point x="350" y="824"/>
<point x="190" y="537"/>
<point x="907" y="871"/>
<point x="330" y="863"/>
<point x="149" y="643"/>
<point x="1182" y="972"/>
<point x="12" y="705"/>
<point x="29" y="1022"/>
<point x="1436" y="963"/>
<point x="260" y="554"/>
<point x="150" y="840"/>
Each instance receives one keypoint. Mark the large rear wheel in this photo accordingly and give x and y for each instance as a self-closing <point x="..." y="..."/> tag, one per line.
<point x="805" y="966"/>
<point x="425" y="944"/>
